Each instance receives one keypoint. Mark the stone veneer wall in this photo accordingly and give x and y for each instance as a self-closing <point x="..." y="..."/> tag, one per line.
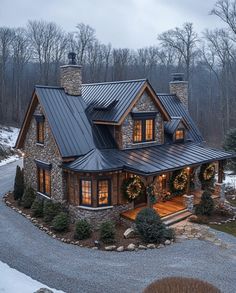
<point x="144" y="104"/>
<point x="97" y="216"/>
<point x="47" y="153"/>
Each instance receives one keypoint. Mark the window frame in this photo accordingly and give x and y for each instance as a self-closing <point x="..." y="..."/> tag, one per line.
<point x="109" y="192"/>
<point x="81" y="195"/>
<point x="143" y="117"/>
<point x="180" y="139"/>
<point x="44" y="167"/>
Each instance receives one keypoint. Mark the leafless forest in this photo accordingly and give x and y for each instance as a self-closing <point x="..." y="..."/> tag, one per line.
<point x="32" y="55"/>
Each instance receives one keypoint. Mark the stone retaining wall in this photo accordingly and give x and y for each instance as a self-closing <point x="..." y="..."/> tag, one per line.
<point x="97" y="216"/>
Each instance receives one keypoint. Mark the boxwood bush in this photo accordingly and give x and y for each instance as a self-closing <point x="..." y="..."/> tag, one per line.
<point x="83" y="230"/>
<point x="61" y="222"/>
<point x="150" y="227"/>
<point x="107" y="232"/>
<point x="28" y="197"/>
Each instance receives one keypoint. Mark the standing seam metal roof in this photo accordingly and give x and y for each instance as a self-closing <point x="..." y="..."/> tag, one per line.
<point x="149" y="160"/>
<point x="74" y="133"/>
<point x="175" y="108"/>
<point x="103" y="94"/>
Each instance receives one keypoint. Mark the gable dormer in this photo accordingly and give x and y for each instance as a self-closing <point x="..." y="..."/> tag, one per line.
<point x="176" y="130"/>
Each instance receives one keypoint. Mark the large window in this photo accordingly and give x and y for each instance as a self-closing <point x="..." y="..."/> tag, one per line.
<point x="143" y="130"/>
<point x="44" y="181"/>
<point x="86" y="192"/>
<point x="103" y="192"/>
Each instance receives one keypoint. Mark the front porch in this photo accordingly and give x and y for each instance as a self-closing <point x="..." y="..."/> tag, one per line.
<point x="167" y="208"/>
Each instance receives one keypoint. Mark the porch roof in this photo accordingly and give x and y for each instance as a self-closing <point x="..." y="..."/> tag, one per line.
<point x="147" y="161"/>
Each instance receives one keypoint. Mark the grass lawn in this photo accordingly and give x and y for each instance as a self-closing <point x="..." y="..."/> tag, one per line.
<point x="229" y="228"/>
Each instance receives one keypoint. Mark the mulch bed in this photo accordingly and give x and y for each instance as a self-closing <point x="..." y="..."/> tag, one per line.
<point x="68" y="236"/>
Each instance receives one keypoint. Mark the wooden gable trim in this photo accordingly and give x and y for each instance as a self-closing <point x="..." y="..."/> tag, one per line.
<point x="26" y="122"/>
<point x="153" y="95"/>
<point x="146" y="87"/>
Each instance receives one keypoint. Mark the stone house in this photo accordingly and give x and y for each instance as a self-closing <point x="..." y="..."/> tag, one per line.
<point x="84" y="143"/>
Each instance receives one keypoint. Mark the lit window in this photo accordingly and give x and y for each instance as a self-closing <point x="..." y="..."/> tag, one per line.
<point x="179" y="135"/>
<point x="143" y="130"/>
<point x="149" y="129"/>
<point x="137" y="130"/>
<point x="103" y="192"/>
<point x="86" y="192"/>
<point x="44" y="181"/>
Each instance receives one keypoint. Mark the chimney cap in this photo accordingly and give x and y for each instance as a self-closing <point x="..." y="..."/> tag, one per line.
<point x="72" y="58"/>
<point x="177" y="76"/>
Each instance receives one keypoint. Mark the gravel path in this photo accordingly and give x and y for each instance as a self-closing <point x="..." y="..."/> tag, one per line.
<point x="74" y="269"/>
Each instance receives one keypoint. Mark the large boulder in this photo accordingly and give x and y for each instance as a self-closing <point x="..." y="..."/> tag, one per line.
<point x="129" y="233"/>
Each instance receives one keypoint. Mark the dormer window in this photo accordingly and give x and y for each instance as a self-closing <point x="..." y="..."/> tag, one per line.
<point x="143" y="130"/>
<point x="179" y="135"/>
<point x="40" y="131"/>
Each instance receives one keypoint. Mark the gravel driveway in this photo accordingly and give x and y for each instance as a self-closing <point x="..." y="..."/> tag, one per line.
<point x="74" y="269"/>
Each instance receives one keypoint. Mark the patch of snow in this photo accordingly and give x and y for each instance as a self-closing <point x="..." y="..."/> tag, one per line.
<point x="230" y="179"/>
<point x="12" y="281"/>
<point x="8" y="136"/>
<point x="9" y="160"/>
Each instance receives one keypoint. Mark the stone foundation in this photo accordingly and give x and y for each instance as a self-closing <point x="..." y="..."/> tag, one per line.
<point x="96" y="216"/>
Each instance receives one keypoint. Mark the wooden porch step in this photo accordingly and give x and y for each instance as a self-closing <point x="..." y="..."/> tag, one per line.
<point x="176" y="217"/>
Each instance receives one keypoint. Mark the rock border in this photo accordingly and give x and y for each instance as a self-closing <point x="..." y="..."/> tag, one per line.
<point x="130" y="247"/>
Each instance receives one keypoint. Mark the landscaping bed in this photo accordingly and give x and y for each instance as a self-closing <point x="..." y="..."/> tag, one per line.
<point x="120" y="243"/>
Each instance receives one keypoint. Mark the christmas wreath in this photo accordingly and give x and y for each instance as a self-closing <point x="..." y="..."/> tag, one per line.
<point x="132" y="188"/>
<point x="178" y="182"/>
<point x="207" y="175"/>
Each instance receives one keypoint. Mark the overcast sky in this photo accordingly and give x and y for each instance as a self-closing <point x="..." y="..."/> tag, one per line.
<point x="123" y="23"/>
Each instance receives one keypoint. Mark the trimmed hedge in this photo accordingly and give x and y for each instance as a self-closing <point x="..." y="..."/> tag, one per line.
<point x="83" y="230"/>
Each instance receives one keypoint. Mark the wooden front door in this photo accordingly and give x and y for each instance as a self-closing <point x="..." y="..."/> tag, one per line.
<point x="141" y="200"/>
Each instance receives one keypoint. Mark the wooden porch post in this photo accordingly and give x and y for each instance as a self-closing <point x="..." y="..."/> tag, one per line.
<point x="149" y="180"/>
<point x="220" y="171"/>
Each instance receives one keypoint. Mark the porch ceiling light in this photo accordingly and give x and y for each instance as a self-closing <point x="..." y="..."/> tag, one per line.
<point x="163" y="176"/>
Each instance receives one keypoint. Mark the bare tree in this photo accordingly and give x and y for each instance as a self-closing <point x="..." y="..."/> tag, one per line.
<point x="84" y="36"/>
<point x="6" y="37"/>
<point x="184" y="41"/>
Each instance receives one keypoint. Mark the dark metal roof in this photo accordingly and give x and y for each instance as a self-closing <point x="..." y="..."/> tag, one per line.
<point x="149" y="160"/>
<point x="108" y="101"/>
<point x="74" y="133"/>
<point x="175" y="108"/>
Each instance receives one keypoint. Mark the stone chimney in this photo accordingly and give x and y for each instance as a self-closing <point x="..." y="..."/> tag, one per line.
<point x="179" y="87"/>
<point x="71" y="77"/>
